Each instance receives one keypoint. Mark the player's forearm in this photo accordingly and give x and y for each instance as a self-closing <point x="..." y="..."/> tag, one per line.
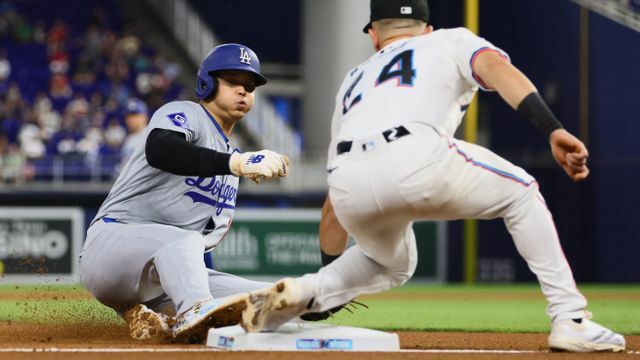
<point x="333" y="237"/>
<point x="516" y="89"/>
<point x="170" y="151"/>
<point x="497" y="73"/>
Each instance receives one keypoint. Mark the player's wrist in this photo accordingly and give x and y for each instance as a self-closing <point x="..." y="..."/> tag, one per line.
<point x="536" y="110"/>
<point x="235" y="163"/>
<point x="557" y="132"/>
<point x="326" y="258"/>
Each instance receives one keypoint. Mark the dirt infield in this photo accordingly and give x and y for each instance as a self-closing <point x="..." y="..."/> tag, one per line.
<point x="92" y="341"/>
<point x="85" y="339"/>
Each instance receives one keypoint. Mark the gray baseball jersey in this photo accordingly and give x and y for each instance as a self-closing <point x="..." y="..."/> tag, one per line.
<point x="146" y="195"/>
<point x="131" y="143"/>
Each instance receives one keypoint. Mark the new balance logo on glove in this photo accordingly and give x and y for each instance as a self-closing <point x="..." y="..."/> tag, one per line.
<point x="254" y="159"/>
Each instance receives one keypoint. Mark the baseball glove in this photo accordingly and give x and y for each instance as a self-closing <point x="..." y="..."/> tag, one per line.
<point x="323" y="315"/>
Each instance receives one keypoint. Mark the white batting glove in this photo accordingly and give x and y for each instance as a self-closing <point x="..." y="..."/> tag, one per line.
<point x="258" y="165"/>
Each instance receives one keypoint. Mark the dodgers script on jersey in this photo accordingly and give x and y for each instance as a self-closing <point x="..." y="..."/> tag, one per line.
<point x="144" y="195"/>
<point x="405" y="74"/>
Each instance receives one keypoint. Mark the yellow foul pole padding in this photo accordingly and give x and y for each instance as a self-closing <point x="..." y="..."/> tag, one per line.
<point x="584" y="75"/>
<point x="471" y="16"/>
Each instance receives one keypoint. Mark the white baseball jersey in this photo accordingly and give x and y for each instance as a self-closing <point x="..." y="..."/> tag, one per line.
<point x="405" y="73"/>
<point x="146" y="195"/>
<point x="386" y="177"/>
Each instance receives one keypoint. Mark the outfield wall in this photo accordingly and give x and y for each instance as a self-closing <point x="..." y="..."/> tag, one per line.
<point x="440" y="257"/>
<point x="41" y="244"/>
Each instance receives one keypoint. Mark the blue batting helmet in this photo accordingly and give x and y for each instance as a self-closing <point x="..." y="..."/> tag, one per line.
<point x="226" y="57"/>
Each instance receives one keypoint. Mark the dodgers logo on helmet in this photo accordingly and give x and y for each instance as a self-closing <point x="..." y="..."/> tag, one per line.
<point x="226" y="57"/>
<point x="244" y="56"/>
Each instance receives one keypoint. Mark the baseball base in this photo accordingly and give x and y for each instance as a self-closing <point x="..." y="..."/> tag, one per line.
<point x="304" y="336"/>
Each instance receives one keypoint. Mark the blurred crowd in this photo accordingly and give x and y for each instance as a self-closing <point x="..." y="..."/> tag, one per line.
<point x="65" y="92"/>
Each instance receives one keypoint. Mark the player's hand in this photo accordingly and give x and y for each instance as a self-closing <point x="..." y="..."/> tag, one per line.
<point x="259" y="165"/>
<point x="570" y="153"/>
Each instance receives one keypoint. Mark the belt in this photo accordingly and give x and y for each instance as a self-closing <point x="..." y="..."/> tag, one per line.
<point x="390" y="135"/>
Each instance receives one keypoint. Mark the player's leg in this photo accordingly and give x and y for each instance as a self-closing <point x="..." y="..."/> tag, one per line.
<point x="155" y="318"/>
<point x="184" y="277"/>
<point x="116" y="268"/>
<point x="365" y="201"/>
<point x="124" y="264"/>
<point x="489" y="186"/>
<point x="354" y="273"/>
<point x="127" y="264"/>
<point x="119" y="271"/>
<point x="380" y="260"/>
<point x="384" y="256"/>
<point x="220" y="285"/>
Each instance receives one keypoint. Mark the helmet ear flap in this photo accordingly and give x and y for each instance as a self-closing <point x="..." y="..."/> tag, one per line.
<point x="206" y="86"/>
<point x="214" y="87"/>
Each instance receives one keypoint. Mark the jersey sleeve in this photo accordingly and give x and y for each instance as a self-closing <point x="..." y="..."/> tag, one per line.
<point x="175" y="116"/>
<point x="466" y="48"/>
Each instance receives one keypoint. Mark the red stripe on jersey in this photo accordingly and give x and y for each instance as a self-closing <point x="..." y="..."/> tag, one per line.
<point x="473" y="63"/>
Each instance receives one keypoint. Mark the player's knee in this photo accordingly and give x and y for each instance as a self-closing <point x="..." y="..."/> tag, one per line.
<point x="531" y="193"/>
<point x="522" y="202"/>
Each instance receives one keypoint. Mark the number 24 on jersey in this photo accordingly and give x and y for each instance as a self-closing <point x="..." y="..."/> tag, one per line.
<point x="399" y="68"/>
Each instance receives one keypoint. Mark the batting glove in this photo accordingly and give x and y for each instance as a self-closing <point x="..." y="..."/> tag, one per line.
<point x="258" y="165"/>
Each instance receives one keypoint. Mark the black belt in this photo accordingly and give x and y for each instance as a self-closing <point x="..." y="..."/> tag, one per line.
<point x="390" y="135"/>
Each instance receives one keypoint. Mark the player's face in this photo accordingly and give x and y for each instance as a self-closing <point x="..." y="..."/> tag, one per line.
<point x="235" y="93"/>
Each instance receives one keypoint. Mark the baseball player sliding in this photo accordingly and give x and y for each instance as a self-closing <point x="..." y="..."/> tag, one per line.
<point x="143" y="251"/>
<point x="393" y="160"/>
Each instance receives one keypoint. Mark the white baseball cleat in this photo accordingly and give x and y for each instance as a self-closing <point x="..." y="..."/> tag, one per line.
<point x="192" y="325"/>
<point x="269" y="308"/>
<point x="584" y="335"/>
<point x="146" y="324"/>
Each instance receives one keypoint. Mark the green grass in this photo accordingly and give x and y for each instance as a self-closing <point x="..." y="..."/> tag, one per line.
<point x="479" y="315"/>
<point x="494" y="308"/>
<point x="17" y="289"/>
<point x="465" y="308"/>
<point x="57" y="312"/>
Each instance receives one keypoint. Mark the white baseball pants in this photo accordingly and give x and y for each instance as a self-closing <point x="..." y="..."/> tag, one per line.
<point x="158" y="265"/>
<point x="377" y="193"/>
